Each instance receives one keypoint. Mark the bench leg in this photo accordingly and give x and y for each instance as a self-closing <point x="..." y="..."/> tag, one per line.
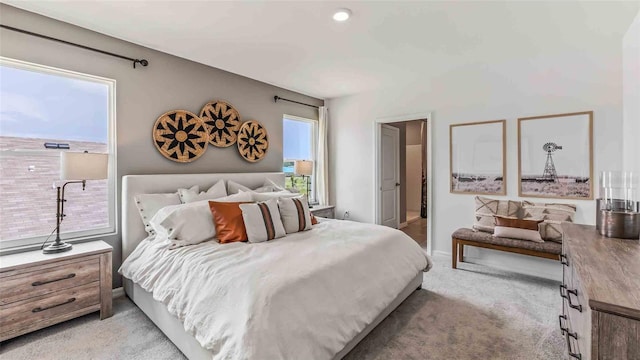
<point x="454" y="253"/>
<point x="461" y="252"/>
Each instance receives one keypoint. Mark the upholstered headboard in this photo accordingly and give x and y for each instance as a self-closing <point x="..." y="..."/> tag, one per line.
<point x="132" y="228"/>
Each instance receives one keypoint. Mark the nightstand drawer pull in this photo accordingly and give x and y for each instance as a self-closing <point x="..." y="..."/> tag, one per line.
<point x="571" y="305"/>
<point x="563" y="260"/>
<point x="38" y="309"/>
<point x="38" y="283"/>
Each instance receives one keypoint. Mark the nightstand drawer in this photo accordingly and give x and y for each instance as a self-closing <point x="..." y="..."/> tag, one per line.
<point x="28" y="313"/>
<point x="42" y="280"/>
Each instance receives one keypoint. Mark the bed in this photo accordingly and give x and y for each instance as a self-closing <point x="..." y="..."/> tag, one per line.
<point x="291" y="301"/>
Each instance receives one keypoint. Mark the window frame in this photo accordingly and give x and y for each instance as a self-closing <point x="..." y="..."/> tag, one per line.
<point x="112" y="183"/>
<point x="314" y="150"/>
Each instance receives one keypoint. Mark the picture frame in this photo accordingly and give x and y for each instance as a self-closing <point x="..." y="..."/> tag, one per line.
<point x="477" y="158"/>
<point x="555" y="156"/>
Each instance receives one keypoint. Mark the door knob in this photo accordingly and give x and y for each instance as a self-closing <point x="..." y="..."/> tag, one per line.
<point x="397" y="184"/>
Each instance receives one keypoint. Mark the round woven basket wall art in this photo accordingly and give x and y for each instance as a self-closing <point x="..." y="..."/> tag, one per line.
<point x="223" y="123"/>
<point x="180" y="136"/>
<point x="252" y="141"/>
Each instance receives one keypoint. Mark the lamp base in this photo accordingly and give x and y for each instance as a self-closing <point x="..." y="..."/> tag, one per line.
<point x="57" y="247"/>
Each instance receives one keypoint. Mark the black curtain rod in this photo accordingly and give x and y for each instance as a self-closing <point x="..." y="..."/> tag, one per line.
<point x="276" y="98"/>
<point x="142" y="62"/>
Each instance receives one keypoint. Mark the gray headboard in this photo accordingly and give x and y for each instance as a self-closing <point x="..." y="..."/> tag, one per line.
<point x="132" y="228"/>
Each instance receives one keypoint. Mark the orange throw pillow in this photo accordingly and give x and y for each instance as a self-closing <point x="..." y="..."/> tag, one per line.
<point x="314" y="221"/>
<point x="227" y="217"/>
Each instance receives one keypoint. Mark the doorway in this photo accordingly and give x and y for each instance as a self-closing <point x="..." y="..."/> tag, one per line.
<point x="402" y="162"/>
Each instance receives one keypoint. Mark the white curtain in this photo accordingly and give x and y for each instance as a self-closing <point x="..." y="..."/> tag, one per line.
<point x="322" y="158"/>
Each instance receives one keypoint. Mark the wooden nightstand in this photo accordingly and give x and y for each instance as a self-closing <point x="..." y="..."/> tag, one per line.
<point x="38" y="290"/>
<point x="324" y="211"/>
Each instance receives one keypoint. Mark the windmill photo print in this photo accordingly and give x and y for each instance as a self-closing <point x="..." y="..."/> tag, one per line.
<point x="477" y="158"/>
<point x="555" y="156"/>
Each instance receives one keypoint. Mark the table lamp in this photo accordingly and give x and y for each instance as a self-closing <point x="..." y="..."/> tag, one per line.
<point x="304" y="168"/>
<point x="75" y="168"/>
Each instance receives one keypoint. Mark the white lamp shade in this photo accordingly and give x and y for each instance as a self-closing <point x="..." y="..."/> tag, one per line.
<point x="83" y="166"/>
<point x="303" y="167"/>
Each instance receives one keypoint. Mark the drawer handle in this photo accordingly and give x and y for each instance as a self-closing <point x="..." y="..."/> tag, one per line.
<point x="38" y="283"/>
<point x="563" y="293"/>
<point x="571" y="353"/>
<point x="38" y="309"/>
<point x="564" y="260"/>
<point x="571" y="305"/>
<point x="563" y="329"/>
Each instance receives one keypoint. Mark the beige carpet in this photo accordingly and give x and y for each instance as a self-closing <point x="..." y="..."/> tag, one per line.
<point x="471" y="313"/>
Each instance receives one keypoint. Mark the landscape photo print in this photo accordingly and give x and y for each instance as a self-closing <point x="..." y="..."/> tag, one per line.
<point x="477" y="158"/>
<point x="555" y="156"/>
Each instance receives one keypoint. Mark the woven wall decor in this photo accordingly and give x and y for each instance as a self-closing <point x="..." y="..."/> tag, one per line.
<point x="223" y="123"/>
<point x="252" y="141"/>
<point x="180" y="136"/>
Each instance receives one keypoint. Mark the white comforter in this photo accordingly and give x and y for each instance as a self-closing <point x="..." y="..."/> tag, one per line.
<point x="304" y="296"/>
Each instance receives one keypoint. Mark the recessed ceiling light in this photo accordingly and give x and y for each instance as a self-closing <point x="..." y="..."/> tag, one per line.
<point x="342" y="15"/>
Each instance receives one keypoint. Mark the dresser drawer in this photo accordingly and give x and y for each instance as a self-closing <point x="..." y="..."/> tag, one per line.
<point x="28" y="313"/>
<point x="40" y="281"/>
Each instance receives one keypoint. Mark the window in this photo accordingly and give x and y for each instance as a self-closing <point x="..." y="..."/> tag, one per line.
<point x="70" y="112"/>
<point x="299" y="143"/>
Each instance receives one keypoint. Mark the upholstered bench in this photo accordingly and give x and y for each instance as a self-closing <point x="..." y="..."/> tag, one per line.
<point x="470" y="237"/>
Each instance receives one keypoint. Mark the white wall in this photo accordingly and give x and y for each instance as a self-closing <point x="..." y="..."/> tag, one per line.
<point x="557" y="83"/>
<point x="631" y="96"/>
<point x="414" y="177"/>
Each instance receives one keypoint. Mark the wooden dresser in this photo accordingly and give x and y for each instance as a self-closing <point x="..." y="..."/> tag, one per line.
<point x="38" y="290"/>
<point x="600" y="295"/>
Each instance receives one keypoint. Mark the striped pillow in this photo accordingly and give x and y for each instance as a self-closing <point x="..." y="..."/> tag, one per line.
<point x="295" y="214"/>
<point x="262" y="221"/>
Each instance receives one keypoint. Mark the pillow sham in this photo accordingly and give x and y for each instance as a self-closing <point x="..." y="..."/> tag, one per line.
<point x="269" y="186"/>
<point x="295" y="214"/>
<point x="218" y="190"/>
<point x="149" y="204"/>
<point x="262" y="221"/>
<point x="272" y="195"/>
<point x="487" y="208"/>
<point x="553" y="216"/>
<point x="234" y="188"/>
<point x="227" y="217"/>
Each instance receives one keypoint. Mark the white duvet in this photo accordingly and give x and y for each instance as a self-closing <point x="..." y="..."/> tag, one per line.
<point x="304" y="296"/>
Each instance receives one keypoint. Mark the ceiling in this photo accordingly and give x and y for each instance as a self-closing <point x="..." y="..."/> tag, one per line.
<point x="297" y="45"/>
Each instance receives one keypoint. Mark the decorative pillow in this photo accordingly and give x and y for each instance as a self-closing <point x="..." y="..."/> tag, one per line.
<point x="262" y="221"/>
<point x="517" y="223"/>
<point x="553" y="216"/>
<point x="269" y="186"/>
<point x="272" y="195"/>
<point x="234" y="188"/>
<point x="228" y="221"/>
<point x="314" y="221"/>
<point x="487" y="208"/>
<point x="517" y="233"/>
<point x="295" y="214"/>
<point x="189" y="224"/>
<point x="149" y="204"/>
<point x="218" y="190"/>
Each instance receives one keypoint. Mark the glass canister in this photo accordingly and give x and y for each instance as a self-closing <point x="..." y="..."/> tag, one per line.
<point x="618" y="205"/>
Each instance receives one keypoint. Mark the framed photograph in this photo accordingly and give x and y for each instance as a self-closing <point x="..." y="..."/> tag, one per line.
<point x="477" y="158"/>
<point x="555" y="156"/>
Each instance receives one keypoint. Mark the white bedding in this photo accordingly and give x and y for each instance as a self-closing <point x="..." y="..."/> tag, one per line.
<point x="303" y="296"/>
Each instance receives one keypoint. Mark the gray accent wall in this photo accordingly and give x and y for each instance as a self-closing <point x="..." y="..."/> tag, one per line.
<point x="143" y="94"/>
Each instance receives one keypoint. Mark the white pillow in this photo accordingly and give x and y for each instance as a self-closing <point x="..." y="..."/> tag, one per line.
<point x="269" y="186"/>
<point x="517" y="233"/>
<point x="191" y="223"/>
<point x="271" y="195"/>
<point x="218" y="190"/>
<point x="262" y="221"/>
<point x="149" y="204"/>
<point x="295" y="214"/>
<point x="234" y="188"/>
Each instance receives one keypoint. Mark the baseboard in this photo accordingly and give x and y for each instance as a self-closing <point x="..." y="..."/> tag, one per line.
<point x="541" y="270"/>
<point x="403" y="225"/>
<point x="117" y="292"/>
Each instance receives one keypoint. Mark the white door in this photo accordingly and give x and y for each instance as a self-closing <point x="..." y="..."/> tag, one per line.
<point x="390" y="176"/>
